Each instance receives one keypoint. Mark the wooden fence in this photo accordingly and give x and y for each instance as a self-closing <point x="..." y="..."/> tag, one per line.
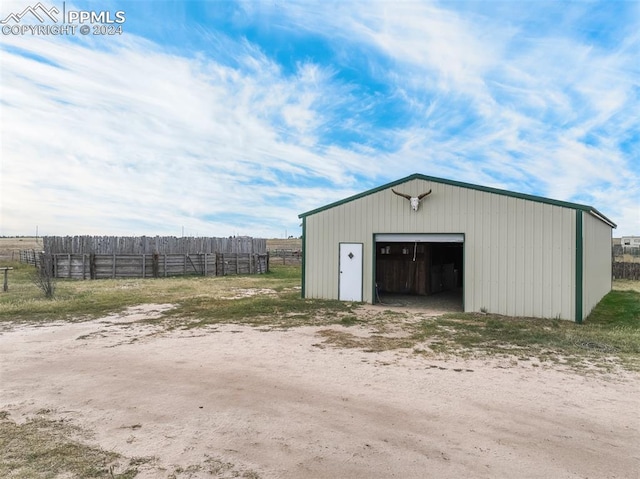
<point x="152" y="244"/>
<point x="95" y="257"/>
<point x="286" y="256"/>
<point x="625" y="270"/>
<point x="100" y="266"/>
<point x="30" y="256"/>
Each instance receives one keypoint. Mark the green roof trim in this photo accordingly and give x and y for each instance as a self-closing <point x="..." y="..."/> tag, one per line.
<point x="486" y="189"/>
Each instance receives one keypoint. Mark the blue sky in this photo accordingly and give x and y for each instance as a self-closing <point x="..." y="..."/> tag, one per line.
<point x="219" y="118"/>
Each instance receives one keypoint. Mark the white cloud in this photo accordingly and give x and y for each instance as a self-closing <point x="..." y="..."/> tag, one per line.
<point x="499" y="103"/>
<point x="125" y="137"/>
<point x="130" y="138"/>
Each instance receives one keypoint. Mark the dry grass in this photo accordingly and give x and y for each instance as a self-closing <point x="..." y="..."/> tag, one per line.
<point x="273" y="301"/>
<point x="212" y="467"/>
<point x="265" y="301"/>
<point x="45" y="448"/>
<point x="290" y="244"/>
<point x="627" y="258"/>
<point x="598" y="346"/>
<point x="195" y="296"/>
<point x="608" y="340"/>
<point x="370" y="344"/>
<point x="626" y="285"/>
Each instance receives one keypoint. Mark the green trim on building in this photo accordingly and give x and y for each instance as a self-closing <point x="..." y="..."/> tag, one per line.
<point x="304" y="252"/>
<point x="579" y="265"/>
<point x="486" y="189"/>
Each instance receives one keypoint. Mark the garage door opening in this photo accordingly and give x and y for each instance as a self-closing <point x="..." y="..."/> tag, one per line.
<point x="421" y="271"/>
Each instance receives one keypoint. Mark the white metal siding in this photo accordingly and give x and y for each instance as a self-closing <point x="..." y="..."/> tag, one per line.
<point x="597" y="262"/>
<point x="519" y="254"/>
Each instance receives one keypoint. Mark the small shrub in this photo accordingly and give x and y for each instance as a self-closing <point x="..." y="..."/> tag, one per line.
<point x="44" y="277"/>
<point x="349" y="320"/>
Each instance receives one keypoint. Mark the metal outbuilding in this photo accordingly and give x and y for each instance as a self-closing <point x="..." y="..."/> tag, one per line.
<point x="504" y="252"/>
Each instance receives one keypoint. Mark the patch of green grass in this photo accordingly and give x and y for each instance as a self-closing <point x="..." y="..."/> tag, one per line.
<point x="275" y="299"/>
<point x="286" y="309"/>
<point x="617" y="309"/>
<point x="611" y="331"/>
<point x="349" y="320"/>
<point x="88" y="299"/>
<point x="486" y="332"/>
<point x="284" y="273"/>
<point x="43" y="448"/>
<point x="610" y="338"/>
<point x="611" y="335"/>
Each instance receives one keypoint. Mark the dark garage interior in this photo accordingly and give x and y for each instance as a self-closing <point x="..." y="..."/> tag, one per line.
<point x="418" y="273"/>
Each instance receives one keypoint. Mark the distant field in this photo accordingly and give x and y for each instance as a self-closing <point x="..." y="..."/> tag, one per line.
<point x="627" y="258"/>
<point x="289" y="244"/>
<point x="10" y="247"/>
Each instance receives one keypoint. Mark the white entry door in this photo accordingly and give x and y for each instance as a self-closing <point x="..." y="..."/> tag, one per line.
<point x="350" y="272"/>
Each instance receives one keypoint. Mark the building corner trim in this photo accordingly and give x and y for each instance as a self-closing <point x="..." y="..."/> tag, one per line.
<point x="304" y="249"/>
<point x="579" y="267"/>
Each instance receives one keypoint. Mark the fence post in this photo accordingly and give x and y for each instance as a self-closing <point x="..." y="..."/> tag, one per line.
<point x="155" y="265"/>
<point x="113" y="274"/>
<point x="92" y="266"/>
<point x="5" y="286"/>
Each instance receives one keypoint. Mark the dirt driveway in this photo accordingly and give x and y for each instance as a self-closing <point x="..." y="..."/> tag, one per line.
<point x="234" y="401"/>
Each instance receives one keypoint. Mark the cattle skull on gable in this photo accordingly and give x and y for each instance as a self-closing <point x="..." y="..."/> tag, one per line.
<point x="414" y="201"/>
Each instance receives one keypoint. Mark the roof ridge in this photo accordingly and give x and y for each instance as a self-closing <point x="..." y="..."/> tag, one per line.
<point x="461" y="184"/>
